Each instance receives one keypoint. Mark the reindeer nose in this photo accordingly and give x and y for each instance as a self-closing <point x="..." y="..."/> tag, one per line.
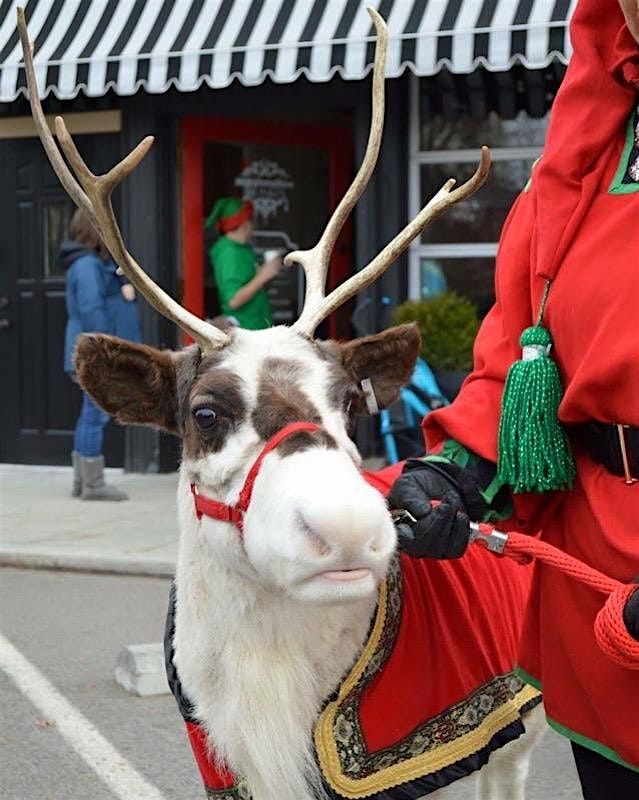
<point x="318" y="543"/>
<point x="344" y="532"/>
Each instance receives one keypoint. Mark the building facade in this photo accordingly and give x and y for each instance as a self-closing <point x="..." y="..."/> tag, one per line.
<point x="268" y="99"/>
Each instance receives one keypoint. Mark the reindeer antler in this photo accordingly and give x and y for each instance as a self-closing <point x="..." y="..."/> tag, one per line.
<point x="315" y="262"/>
<point x="92" y="193"/>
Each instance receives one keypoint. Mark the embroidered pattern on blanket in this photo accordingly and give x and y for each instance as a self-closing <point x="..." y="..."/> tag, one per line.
<point x="237" y="792"/>
<point x="460" y="731"/>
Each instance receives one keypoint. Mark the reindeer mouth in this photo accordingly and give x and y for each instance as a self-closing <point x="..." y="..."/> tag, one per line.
<point x="345" y="575"/>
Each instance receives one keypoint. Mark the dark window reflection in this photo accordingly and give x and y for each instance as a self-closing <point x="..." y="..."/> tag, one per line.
<point x="57" y="215"/>
<point x="466" y="132"/>
<point x="480" y="218"/>
<point x="469" y="276"/>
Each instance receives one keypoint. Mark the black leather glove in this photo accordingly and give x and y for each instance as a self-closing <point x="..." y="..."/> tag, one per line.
<point x="441" y="531"/>
<point x="631" y="613"/>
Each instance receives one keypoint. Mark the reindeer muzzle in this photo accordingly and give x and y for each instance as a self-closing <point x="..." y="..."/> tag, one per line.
<point x="206" y="506"/>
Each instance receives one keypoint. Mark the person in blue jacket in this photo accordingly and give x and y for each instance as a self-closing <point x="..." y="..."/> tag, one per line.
<point x="98" y="300"/>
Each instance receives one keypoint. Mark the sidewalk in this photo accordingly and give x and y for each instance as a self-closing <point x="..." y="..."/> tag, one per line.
<point x="41" y="525"/>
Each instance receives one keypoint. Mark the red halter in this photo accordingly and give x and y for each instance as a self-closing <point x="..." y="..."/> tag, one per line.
<point x="213" y="508"/>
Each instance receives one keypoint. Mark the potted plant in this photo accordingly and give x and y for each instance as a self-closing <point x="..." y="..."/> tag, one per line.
<point x="448" y="324"/>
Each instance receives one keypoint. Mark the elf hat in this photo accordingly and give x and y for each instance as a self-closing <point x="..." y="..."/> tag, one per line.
<point x="229" y="213"/>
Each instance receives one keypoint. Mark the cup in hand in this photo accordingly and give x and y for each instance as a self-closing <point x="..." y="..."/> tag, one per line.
<point x="269" y="255"/>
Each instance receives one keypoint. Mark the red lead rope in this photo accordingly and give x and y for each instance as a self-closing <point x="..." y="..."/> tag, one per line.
<point x="206" y="506"/>
<point x="611" y="634"/>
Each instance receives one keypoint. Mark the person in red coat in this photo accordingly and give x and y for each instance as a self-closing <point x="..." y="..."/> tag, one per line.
<point x="567" y="268"/>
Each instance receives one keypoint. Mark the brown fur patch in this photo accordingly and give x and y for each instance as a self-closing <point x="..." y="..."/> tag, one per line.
<point x="280" y="401"/>
<point x="305" y="440"/>
<point x="134" y="383"/>
<point x="387" y="358"/>
<point x="224" y="393"/>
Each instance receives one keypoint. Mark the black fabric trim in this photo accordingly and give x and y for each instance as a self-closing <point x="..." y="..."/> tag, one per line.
<point x="438" y="780"/>
<point x="183" y="702"/>
<point x="234" y="793"/>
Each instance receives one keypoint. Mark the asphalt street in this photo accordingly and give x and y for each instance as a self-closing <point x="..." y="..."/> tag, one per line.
<point x="70" y="627"/>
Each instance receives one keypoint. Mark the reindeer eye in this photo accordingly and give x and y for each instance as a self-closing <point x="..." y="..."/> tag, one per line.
<point x="205" y="418"/>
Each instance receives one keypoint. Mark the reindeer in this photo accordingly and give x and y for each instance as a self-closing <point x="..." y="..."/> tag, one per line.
<point x="288" y="592"/>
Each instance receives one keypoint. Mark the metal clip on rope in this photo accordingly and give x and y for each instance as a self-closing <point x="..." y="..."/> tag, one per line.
<point x="495" y="541"/>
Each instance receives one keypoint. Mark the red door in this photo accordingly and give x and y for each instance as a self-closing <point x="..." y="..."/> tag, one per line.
<point x="295" y="174"/>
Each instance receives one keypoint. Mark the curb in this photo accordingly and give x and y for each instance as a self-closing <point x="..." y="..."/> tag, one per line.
<point x="109" y="564"/>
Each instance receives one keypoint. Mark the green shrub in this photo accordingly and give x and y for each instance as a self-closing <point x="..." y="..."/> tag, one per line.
<point x="448" y="324"/>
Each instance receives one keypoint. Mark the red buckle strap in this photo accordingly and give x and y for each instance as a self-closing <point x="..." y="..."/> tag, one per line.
<point x="206" y="506"/>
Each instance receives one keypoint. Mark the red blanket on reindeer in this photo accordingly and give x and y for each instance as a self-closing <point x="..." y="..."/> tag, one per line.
<point x="433" y="692"/>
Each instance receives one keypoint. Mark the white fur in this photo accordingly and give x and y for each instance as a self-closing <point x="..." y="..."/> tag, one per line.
<point x="263" y="636"/>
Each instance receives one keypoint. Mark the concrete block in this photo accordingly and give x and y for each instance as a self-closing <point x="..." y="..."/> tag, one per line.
<point x="140" y="669"/>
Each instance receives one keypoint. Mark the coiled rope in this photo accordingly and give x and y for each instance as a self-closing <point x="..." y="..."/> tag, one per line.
<point x="611" y="633"/>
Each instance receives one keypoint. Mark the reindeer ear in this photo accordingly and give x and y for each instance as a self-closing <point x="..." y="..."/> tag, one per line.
<point x="387" y="359"/>
<point x="133" y="382"/>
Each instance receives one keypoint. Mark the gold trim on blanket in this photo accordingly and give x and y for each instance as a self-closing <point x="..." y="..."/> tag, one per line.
<point x="474" y="721"/>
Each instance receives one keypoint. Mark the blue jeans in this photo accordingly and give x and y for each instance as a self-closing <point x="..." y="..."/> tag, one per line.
<point x="89" y="429"/>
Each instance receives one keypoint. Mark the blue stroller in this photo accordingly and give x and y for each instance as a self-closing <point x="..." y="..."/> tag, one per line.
<point x="400" y="425"/>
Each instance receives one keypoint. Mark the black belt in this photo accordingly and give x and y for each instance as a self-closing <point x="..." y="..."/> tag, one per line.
<point x="614" y="446"/>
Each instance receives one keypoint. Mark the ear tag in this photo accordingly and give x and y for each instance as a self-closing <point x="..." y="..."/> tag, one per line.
<point x="369" y="395"/>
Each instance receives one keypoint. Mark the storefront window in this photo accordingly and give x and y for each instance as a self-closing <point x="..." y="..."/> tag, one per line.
<point x="438" y="133"/>
<point x="457" y="252"/>
<point x="480" y="218"/>
<point x="471" y="277"/>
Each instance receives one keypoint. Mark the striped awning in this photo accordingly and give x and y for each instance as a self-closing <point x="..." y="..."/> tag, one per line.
<point x="93" y="46"/>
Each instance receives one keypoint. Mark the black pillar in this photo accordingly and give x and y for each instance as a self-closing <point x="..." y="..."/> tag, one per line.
<point x="148" y="225"/>
<point x="379" y="216"/>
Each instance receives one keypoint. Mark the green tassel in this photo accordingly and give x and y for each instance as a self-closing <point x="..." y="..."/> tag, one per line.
<point x="534" y="452"/>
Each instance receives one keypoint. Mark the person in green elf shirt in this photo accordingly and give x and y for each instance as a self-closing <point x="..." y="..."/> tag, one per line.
<point x="240" y="284"/>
